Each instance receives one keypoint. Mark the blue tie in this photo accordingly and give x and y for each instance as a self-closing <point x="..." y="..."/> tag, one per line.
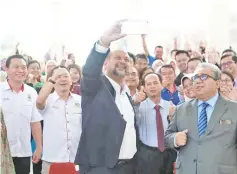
<point x="202" y="123"/>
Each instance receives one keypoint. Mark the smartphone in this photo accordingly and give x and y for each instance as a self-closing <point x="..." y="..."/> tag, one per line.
<point x="135" y="27"/>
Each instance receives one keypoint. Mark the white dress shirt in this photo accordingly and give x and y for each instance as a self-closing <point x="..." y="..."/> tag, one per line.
<point x="146" y="121"/>
<point x="62" y="128"/>
<point x="19" y="110"/>
<point x="128" y="147"/>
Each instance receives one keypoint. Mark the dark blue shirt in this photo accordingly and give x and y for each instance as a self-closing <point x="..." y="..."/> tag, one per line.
<point x="168" y="96"/>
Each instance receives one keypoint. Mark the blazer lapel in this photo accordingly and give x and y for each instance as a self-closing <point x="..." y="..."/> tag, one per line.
<point x="218" y="112"/>
<point x="193" y="119"/>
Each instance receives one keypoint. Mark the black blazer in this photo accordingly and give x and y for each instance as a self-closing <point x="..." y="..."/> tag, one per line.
<point x="102" y="123"/>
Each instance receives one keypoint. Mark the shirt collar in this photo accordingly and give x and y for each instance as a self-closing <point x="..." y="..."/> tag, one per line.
<point x="7" y="86"/>
<point x="151" y="104"/>
<point x="117" y="87"/>
<point x="212" y="101"/>
<point x="56" y="96"/>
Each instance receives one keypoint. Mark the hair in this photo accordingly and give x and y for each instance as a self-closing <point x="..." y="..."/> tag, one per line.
<point x="56" y="67"/>
<point x="234" y="58"/>
<point x="32" y="62"/>
<point x="141" y="56"/>
<point x="174" y="50"/>
<point x="194" y="59"/>
<point x="158" y="46"/>
<point x="76" y="67"/>
<point x="159" y="76"/>
<point x="131" y="55"/>
<point x="8" y="61"/>
<point x="178" y="52"/>
<point x="142" y="72"/>
<point x="215" y="70"/>
<point x="69" y="55"/>
<point x="229" y="50"/>
<point x="167" y="66"/>
<point x="230" y="76"/>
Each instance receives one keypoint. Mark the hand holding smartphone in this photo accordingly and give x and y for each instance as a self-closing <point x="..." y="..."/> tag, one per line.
<point x="135" y="27"/>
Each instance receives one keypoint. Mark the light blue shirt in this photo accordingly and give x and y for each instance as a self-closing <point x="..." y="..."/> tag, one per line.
<point x="212" y="102"/>
<point x="146" y="121"/>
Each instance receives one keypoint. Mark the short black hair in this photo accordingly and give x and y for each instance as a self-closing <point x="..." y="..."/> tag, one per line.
<point x="141" y="56"/>
<point x="234" y="58"/>
<point x="159" y="76"/>
<point x="131" y="55"/>
<point x="229" y="50"/>
<point x="167" y="66"/>
<point x="194" y="59"/>
<point x="181" y="52"/>
<point x="31" y="62"/>
<point x="158" y="46"/>
<point x="16" y="56"/>
<point x="174" y="50"/>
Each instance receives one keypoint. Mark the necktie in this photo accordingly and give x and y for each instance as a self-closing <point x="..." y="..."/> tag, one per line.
<point x="160" y="129"/>
<point x="202" y="123"/>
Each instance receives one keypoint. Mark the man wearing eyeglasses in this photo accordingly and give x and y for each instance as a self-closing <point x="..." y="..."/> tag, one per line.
<point x="203" y="130"/>
<point x="229" y="64"/>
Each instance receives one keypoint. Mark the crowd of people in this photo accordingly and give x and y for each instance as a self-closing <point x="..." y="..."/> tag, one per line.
<point x="121" y="113"/>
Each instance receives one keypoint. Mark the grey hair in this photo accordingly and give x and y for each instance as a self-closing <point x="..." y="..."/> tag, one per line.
<point x="215" y="70"/>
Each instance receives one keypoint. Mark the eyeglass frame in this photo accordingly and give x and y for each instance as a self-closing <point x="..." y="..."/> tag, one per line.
<point x="199" y="77"/>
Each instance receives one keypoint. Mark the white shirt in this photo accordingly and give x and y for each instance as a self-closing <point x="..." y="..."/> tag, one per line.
<point x="19" y="110"/>
<point x="62" y="128"/>
<point x="146" y="121"/>
<point x="128" y="147"/>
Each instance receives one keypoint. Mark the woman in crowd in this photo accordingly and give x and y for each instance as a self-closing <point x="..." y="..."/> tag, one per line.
<point x="227" y="89"/>
<point x="7" y="166"/>
<point x="75" y="72"/>
<point x="48" y="67"/>
<point x="145" y="71"/>
<point x="34" y="74"/>
<point x="157" y="64"/>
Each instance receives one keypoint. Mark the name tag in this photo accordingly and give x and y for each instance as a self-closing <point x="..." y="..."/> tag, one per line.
<point x="225" y="122"/>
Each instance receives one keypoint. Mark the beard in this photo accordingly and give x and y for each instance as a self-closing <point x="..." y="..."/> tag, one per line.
<point x="119" y="73"/>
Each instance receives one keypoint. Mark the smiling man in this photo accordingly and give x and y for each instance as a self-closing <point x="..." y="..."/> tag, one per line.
<point x="204" y="129"/>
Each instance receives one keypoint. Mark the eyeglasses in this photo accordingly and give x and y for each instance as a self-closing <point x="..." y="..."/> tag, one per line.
<point x="202" y="77"/>
<point x="227" y="63"/>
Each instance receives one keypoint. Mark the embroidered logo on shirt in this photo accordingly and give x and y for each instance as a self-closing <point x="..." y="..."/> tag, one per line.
<point x="5" y="99"/>
<point x="77" y="104"/>
<point x="29" y="97"/>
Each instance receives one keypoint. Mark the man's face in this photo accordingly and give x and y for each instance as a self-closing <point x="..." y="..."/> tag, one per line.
<point x="168" y="75"/>
<point x="227" y="64"/>
<point x="188" y="88"/>
<point x="141" y="64"/>
<point x="63" y="82"/>
<point x="153" y="85"/>
<point x="17" y="70"/>
<point x="159" y="53"/>
<point x="205" y="88"/>
<point x="117" y="63"/>
<point x="132" y="78"/>
<point x="181" y="61"/>
<point x="192" y="66"/>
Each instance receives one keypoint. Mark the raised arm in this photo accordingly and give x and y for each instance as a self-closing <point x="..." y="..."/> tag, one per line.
<point x="145" y="45"/>
<point x="92" y="70"/>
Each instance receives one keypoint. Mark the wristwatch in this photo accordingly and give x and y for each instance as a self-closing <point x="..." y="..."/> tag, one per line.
<point x="50" y="80"/>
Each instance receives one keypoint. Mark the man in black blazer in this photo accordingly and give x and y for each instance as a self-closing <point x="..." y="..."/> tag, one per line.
<point x="108" y="139"/>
